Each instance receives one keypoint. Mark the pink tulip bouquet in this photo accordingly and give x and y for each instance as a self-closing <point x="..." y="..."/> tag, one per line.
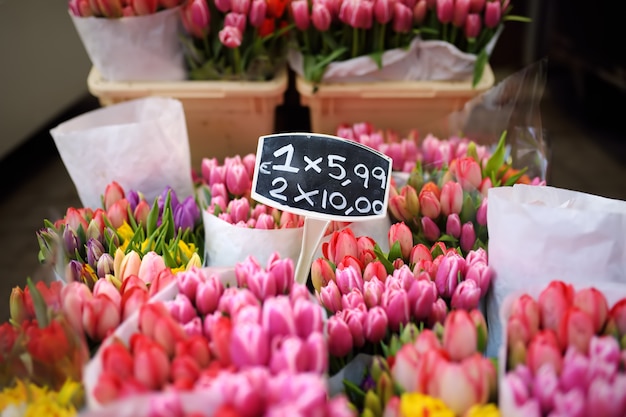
<point x="448" y="202"/>
<point x="327" y="32"/>
<point x="565" y="353"/>
<point x="212" y="333"/>
<point x="372" y="297"/>
<point x="235" y="39"/>
<point x="131" y="40"/>
<point x="438" y="372"/>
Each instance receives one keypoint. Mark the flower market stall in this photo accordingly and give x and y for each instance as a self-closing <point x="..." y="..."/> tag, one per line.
<point x="362" y="271"/>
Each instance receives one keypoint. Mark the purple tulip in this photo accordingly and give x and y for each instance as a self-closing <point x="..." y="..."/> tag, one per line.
<point x="187" y="214"/>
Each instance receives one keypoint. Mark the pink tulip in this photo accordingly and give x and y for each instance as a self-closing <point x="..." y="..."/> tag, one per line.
<point x="545" y="386"/>
<point x="402" y="18"/>
<point x="445" y="11"/>
<point x="453" y="225"/>
<point x="462" y="385"/>
<point x="468" y="237"/>
<point x="422" y="296"/>
<point x="330" y="297"/>
<point x="239" y="299"/>
<point x="144" y="7"/>
<point x="162" y="280"/>
<point x="339" y="337"/>
<point x="278" y="318"/>
<point x="237" y="20"/>
<point x="447" y="275"/>
<point x="518" y="388"/>
<point x="282" y="271"/>
<point x="493" y="14"/>
<point x="476" y="256"/>
<point x="466" y="296"/>
<point x="237" y="179"/>
<point x="400" y="232"/>
<point x="208" y="293"/>
<point x="430" y="228"/>
<point x="396" y="305"/>
<point x="156" y="323"/>
<point x="482" y="275"/>
<point x="451" y="198"/>
<point x="353" y="300"/>
<point x="289" y="355"/>
<point x="247" y="314"/>
<point x="373" y="292"/>
<point x="554" y="301"/>
<point x="321" y="17"/>
<point x="250" y="345"/>
<point x="429" y="203"/>
<point x="104" y="287"/>
<point x="118" y="213"/>
<point x="316" y="347"/>
<point x="188" y="282"/>
<point x="196" y="347"/>
<point x="118" y="360"/>
<point x="576" y="329"/>
<point x="375" y="270"/>
<point x="481" y="213"/>
<point x="544" y="349"/>
<point x="594" y="304"/>
<point x="571" y="403"/>
<point x="439" y="312"/>
<point x="132" y="300"/>
<point x="262" y="284"/>
<point x="151" y="365"/>
<point x="375" y="327"/>
<point x="130" y="265"/>
<point x="405" y="370"/>
<point x="575" y="370"/>
<point x="459" y="335"/>
<point x="604" y="356"/>
<point x="477" y="6"/>
<point x="355" y="319"/>
<point x="357" y="13"/>
<point x="184" y="369"/>
<point x="132" y="282"/>
<point x="181" y="309"/>
<point x="341" y="244"/>
<point x="169" y="404"/>
<point x="419" y="11"/>
<point x="74" y="295"/>
<point x="461" y="10"/>
<point x="383" y="11"/>
<point x="231" y="37"/>
<point x="112" y="194"/>
<point x="308" y="317"/>
<point x="348" y="279"/>
<point x="256" y="17"/>
<point x="467" y="173"/>
<point x="101" y="316"/>
<point x="605" y="398"/>
<point x="151" y="265"/>
<point x="300" y="11"/>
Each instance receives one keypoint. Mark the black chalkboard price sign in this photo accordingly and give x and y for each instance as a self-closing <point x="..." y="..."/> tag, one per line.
<point x="321" y="176"/>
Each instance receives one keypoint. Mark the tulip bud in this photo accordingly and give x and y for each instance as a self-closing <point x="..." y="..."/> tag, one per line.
<point x="321" y="17"/>
<point x="468" y="237"/>
<point x="250" y="344"/>
<point x="400" y="232"/>
<point x="466" y="296"/>
<point x="256" y="16"/>
<point x="422" y="296"/>
<point x="144" y="7"/>
<point x="461" y="10"/>
<point x="544" y="349"/>
<point x="383" y="11"/>
<point x="151" y="365"/>
<point x="300" y="11"/>
<point x="396" y="305"/>
<point x="356" y="13"/>
<point x="402" y="18"/>
<point x="459" y="335"/>
<point x="330" y="297"/>
<point x="104" y="266"/>
<point x="419" y="11"/>
<point x="339" y="337"/>
<point x="445" y="11"/>
<point x="308" y="317"/>
<point x="112" y="194"/>
<point x="375" y="328"/>
<point x="493" y="13"/>
<point x="208" y="294"/>
<point x="231" y="37"/>
<point x="100" y="317"/>
<point x="453" y="225"/>
<point x="594" y="304"/>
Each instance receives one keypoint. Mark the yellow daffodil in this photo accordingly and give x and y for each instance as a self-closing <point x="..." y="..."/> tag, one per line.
<point x="487" y="410"/>
<point x="32" y="401"/>
<point x="421" y="405"/>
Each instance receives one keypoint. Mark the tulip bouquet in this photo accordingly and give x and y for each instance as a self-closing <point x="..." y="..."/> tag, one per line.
<point x="449" y="202"/>
<point x="406" y="152"/>
<point x="235" y="39"/>
<point x="565" y="353"/>
<point x="210" y="329"/>
<point x="90" y="239"/>
<point x="438" y="372"/>
<point x="372" y="297"/>
<point x="41" y="357"/>
<point x="330" y="32"/>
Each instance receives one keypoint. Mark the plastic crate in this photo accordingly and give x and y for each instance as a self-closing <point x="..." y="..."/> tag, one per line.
<point x="224" y="118"/>
<point x="398" y="105"/>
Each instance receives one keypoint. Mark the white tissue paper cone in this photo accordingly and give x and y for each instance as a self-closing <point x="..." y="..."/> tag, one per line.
<point x="137" y="48"/>
<point x="142" y="144"/>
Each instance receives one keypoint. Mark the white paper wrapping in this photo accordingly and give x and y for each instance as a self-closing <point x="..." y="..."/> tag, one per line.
<point x="430" y="60"/>
<point x="139" y="48"/>
<point x="541" y="234"/>
<point x="142" y="144"/>
<point x="613" y="292"/>
<point x="130" y="326"/>
<point x="226" y="244"/>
